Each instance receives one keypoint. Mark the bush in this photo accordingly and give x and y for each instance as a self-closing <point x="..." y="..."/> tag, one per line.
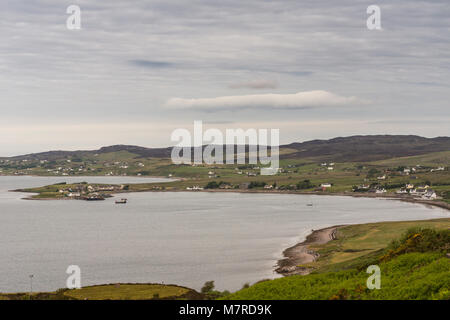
<point x="208" y="287"/>
<point x="256" y="184"/>
<point x="419" y="240"/>
<point x="305" y="184"/>
<point x="212" y="185"/>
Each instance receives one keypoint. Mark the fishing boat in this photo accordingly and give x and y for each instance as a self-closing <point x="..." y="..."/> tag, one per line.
<point x="121" y="201"/>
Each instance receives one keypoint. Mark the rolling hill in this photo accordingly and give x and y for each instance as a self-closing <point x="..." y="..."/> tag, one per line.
<point x="354" y="148"/>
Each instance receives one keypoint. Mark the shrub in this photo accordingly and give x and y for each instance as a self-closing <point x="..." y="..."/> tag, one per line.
<point x="419" y="240"/>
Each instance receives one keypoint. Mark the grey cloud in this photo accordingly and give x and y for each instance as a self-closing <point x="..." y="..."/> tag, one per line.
<point x="255" y="84"/>
<point x="152" y="64"/>
<point x="139" y="54"/>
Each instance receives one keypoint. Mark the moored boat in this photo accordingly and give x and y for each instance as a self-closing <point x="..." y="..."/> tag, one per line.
<point x="121" y="201"/>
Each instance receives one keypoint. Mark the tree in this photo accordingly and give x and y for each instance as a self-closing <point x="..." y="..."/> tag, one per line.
<point x="305" y="184"/>
<point x="208" y="287"/>
<point x="212" y="185"/>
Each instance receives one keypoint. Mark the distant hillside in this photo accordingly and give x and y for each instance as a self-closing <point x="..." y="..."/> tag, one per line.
<point x="367" y="148"/>
<point x="355" y="148"/>
<point x="56" y="155"/>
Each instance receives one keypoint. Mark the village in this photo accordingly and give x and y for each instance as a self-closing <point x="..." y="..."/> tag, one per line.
<point x="421" y="182"/>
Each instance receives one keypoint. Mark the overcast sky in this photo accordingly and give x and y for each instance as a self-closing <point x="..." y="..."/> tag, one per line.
<point x="139" y="69"/>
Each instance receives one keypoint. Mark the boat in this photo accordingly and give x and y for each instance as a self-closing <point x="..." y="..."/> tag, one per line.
<point x="121" y="201"/>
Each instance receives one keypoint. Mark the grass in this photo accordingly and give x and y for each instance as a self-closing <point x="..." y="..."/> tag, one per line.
<point x="430" y="159"/>
<point x="127" y="292"/>
<point x="409" y="268"/>
<point x="410" y="276"/>
<point x="358" y="243"/>
<point x="112" y="292"/>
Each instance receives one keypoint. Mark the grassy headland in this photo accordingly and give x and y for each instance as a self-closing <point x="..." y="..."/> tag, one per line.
<point x="412" y="256"/>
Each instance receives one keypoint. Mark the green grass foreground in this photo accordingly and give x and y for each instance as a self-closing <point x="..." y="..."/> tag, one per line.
<point x="413" y="266"/>
<point x="112" y="292"/>
<point x="409" y="276"/>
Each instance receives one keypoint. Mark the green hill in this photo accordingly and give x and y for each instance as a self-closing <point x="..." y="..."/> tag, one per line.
<point x="343" y="149"/>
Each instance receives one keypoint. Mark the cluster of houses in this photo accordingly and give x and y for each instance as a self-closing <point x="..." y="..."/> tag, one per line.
<point x="247" y="173"/>
<point x="370" y="189"/>
<point x="68" y="167"/>
<point x="194" y="188"/>
<point x="82" y="191"/>
<point x="424" y="192"/>
<point x="329" y="166"/>
<point x="419" y="168"/>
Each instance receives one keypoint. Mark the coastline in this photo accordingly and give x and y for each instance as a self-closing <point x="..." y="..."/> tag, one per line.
<point x="440" y="204"/>
<point x="300" y="253"/>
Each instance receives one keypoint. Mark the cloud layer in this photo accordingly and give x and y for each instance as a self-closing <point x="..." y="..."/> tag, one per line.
<point x="299" y="100"/>
<point x="132" y="56"/>
<point x="255" y="84"/>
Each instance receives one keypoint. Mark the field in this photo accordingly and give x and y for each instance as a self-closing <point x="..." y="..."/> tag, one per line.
<point x="112" y="292"/>
<point x="355" y="243"/>
<point x="127" y="292"/>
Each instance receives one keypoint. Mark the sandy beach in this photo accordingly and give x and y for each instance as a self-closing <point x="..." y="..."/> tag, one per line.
<point x="302" y="254"/>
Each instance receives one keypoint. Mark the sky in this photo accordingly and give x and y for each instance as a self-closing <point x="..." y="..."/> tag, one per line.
<point x="137" y="70"/>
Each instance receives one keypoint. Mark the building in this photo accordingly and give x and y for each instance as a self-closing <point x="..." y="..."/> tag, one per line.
<point x="429" y="195"/>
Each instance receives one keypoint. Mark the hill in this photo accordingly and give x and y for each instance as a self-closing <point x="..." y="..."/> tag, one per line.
<point x="367" y="148"/>
<point x="354" y="148"/>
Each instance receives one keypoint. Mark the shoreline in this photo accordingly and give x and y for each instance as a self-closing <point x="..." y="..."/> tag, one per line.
<point x="299" y="254"/>
<point x="440" y="204"/>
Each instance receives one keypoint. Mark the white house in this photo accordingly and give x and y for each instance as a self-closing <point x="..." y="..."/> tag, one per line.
<point x="74" y="194"/>
<point x="325" y="185"/>
<point x="418" y="191"/>
<point x="429" y="195"/>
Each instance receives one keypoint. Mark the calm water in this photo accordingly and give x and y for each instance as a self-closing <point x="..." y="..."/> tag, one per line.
<point x="182" y="238"/>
